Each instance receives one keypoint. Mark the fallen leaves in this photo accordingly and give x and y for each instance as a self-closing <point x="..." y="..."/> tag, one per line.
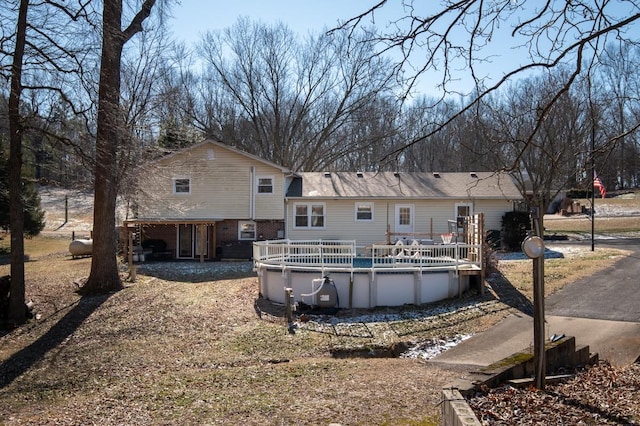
<point x="598" y="395"/>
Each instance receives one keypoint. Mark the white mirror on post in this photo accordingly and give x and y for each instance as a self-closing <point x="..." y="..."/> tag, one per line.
<point x="533" y="247"/>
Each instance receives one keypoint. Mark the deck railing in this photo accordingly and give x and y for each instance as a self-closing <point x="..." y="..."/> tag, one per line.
<point x="425" y="256"/>
<point x="341" y="253"/>
<point x="305" y="252"/>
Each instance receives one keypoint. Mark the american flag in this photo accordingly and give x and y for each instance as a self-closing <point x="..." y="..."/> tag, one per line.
<point x="597" y="183"/>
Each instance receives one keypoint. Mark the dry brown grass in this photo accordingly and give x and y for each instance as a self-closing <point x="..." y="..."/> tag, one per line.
<point x="174" y="350"/>
<point x="602" y="225"/>
<point x="177" y="352"/>
<point x="559" y="272"/>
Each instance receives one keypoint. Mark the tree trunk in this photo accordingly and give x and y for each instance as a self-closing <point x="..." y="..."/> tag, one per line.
<point x="17" y="312"/>
<point x="104" y="275"/>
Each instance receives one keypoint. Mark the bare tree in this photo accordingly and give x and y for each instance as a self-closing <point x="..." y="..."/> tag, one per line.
<point x="16" y="312"/>
<point x="441" y="153"/>
<point x="457" y="40"/>
<point x="42" y="59"/>
<point x="104" y="275"/>
<point x="619" y="95"/>
<point x="289" y="102"/>
<point x="185" y="104"/>
<point x="463" y="35"/>
<point x="142" y="66"/>
<point x="558" y="151"/>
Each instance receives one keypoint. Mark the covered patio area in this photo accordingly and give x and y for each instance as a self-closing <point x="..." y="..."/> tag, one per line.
<point x="171" y="239"/>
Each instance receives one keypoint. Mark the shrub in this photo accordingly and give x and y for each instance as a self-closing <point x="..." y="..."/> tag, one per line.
<point x="514" y="229"/>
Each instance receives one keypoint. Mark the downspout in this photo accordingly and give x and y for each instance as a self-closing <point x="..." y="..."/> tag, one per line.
<point x="252" y="193"/>
<point x="286" y="218"/>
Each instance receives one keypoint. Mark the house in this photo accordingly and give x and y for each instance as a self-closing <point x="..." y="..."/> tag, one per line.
<point x="208" y="201"/>
<point x="374" y="207"/>
<point x="212" y="201"/>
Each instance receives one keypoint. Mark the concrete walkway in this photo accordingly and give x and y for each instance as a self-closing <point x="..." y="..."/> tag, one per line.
<point x="602" y="312"/>
<point x="616" y="341"/>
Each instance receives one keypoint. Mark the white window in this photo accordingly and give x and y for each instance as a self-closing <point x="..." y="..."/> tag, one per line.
<point x="463" y="210"/>
<point x="211" y="154"/>
<point x="181" y="185"/>
<point x="265" y="185"/>
<point x="246" y="230"/>
<point x="405" y="214"/>
<point x="364" y="212"/>
<point x="302" y="216"/>
<point x="309" y="216"/>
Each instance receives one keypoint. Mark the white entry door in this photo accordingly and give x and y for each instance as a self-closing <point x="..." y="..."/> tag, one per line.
<point x="404" y="218"/>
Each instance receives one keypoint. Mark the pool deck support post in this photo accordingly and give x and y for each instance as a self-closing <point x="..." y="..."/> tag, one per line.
<point x="288" y="296"/>
<point x="373" y="289"/>
<point x="417" y="287"/>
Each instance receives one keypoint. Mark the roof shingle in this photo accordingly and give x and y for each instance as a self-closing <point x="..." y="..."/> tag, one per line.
<point x="404" y="185"/>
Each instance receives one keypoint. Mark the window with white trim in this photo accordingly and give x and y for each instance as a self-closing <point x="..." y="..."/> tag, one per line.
<point x="364" y="212"/>
<point x="265" y="185"/>
<point x="246" y="230"/>
<point x="182" y="185"/>
<point x="404" y="215"/>
<point x="463" y="210"/>
<point x="309" y="215"/>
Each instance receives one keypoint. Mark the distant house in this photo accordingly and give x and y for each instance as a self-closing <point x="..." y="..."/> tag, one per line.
<point x="373" y="207"/>
<point x="212" y="201"/>
<point x="209" y="201"/>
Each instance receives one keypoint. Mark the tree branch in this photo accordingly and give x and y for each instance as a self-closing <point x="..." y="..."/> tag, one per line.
<point x="136" y="24"/>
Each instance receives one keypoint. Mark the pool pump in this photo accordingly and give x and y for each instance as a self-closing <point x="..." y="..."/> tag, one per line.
<point x="326" y="294"/>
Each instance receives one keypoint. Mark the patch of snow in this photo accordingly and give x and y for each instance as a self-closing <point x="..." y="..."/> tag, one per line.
<point x="446" y="308"/>
<point x="78" y="205"/>
<point x="433" y="347"/>
<point x="627" y="196"/>
<point x="557" y="251"/>
<point x="391" y="322"/>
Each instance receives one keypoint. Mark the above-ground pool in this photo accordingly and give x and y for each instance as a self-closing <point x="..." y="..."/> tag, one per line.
<point x="386" y="275"/>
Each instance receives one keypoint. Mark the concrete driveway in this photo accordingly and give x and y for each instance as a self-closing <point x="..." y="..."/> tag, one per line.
<point x="602" y="311"/>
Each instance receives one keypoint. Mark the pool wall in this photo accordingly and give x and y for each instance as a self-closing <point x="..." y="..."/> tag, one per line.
<point x="365" y="289"/>
<point x="394" y="275"/>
